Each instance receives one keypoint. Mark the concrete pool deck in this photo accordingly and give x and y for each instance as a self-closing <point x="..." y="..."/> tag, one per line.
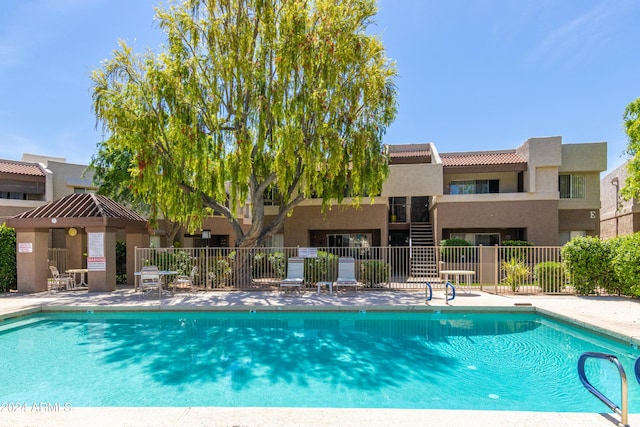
<point x="619" y="316"/>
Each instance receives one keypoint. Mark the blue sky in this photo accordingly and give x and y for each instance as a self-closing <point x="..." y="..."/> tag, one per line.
<point x="472" y="74"/>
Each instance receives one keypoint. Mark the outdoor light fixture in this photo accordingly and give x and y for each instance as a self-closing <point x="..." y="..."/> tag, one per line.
<point x="206" y="235"/>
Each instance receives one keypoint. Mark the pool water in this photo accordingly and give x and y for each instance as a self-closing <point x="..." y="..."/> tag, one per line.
<point x="425" y="360"/>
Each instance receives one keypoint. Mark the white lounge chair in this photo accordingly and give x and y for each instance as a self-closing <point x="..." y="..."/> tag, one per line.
<point x="150" y="280"/>
<point x="60" y="281"/>
<point x="295" y="274"/>
<point x="346" y="273"/>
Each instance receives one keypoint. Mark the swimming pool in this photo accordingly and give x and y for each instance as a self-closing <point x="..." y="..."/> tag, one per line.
<point x="424" y="360"/>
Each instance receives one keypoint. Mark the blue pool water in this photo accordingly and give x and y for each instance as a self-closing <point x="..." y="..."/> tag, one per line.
<point x="424" y="360"/>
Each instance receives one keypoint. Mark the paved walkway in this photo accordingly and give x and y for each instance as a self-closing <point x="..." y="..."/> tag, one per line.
<point x="620" y="316"/>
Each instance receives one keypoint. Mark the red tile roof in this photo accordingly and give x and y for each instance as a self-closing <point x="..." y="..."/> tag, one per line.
<point x="21" y="168"/>
<point x="408" y="154"/>
<point x="481" y="159"/>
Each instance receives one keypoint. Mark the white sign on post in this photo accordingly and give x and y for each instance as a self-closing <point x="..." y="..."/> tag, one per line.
<point x="95" y="257"/>
<point x="308" y="252"/>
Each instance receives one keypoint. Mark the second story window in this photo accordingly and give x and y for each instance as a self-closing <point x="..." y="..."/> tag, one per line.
<point x="572" y="186"/>
<point x="474" y="186"/>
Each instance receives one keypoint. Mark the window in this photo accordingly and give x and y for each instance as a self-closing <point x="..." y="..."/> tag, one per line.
<point x="12" y="196"/>
<point x="397" y="209"/>
<point x="349" y="240"/>
<point x="485" y="239"/>
<point x="474" y="186"/>
<point x="275" y="241"/>
<point x="566" y="236"/>
<point x="272" y="197"/>
<point x="81" y="190"/>
<point x="572" y="186"/>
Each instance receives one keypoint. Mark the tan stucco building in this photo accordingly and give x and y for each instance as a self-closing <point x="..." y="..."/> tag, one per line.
<point x="618" y="217"/>
<point x="542" y="191"/>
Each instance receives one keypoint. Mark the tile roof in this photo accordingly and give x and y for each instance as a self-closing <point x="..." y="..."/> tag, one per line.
<point x="408" y="154"/>
<point x="407" y="151"/>
<point x="21" y="168"/>
<point x="481" y="158"/>
<point x="82" y="206"/>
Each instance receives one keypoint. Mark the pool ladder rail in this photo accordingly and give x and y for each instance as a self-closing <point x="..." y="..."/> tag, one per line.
<point x="623" y="409"/>
<point x="429" y="292"/>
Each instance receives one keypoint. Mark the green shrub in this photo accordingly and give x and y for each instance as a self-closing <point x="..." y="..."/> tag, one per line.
<point x="626" y="265"/>
<point x="322" y="268"/>
<point x="516" y="272"/>
<point x="515" y="249"/>
<point x="374" y="273"/>
<point x="278" y="261"/>
<point x="550" y="275"/>
<point x="588" y="262"/>
<point x="121" y="261"/>
<point x="8" y="263"/>
<point x="455" y="250"/>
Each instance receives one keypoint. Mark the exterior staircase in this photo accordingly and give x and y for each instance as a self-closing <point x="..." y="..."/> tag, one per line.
<point x="421" y="234"/>
<point x="424" y="259"/>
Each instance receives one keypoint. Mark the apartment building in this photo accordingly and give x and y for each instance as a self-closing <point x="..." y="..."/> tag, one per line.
<point x="618" y="217"/>
<point x="36" y="180"/>
<point x="542" y="191"/>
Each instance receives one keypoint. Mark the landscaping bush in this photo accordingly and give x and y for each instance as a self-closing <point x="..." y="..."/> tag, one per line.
<point x="515" y="249"/>
<point x="588" y="261"/>
<point x="626" y="265"/>
<point x="121" y="262"/>
<point x="8" y="263"/>
<point x="374" y="273"/>
<point x="455" y="250"/>
<point x="516" y="272"/>
<point x="322" y="268"/>
<point x="278" y="261"/>
<point x="550" y="275"/>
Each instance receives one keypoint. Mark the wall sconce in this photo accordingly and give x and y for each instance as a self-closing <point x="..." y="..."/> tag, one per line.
<point x="206" y="235"/>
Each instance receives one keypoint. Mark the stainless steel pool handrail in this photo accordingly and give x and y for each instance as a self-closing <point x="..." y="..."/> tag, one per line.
<point x="429" y="293"/>
<point x="446" y="292"/>
<point x="623" y="409"/>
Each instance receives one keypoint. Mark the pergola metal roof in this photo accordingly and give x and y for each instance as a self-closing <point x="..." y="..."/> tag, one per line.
<point x="78" y="210"/>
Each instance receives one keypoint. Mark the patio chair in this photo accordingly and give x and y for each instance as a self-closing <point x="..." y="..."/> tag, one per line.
<point x="60" y="281"/>
<point x="295" y="274"/>
<point x="184" y="280"/>
<point x="346" y="273"/>
<point x="150" y="280"/>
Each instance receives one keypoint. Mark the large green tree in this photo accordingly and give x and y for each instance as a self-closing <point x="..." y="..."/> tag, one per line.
<point x="631" y="188"/>
<point x="248" y="97"/>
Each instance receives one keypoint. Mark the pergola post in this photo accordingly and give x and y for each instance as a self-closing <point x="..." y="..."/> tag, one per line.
<point x="101" y="258"/>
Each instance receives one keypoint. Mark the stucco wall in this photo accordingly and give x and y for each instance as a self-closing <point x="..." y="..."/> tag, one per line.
<point x="538" y="217"/>
<point x="579" y="220"/>
<point x="413" y="180"/>
<point x="346" y="218"/>
<point x="584" y="157"/>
